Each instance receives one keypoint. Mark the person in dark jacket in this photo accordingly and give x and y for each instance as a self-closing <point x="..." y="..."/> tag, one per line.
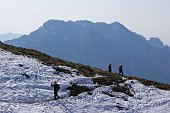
<point x="121" y="70"/>
<point x="56" y="88"/>
<point x="110" y="68"/>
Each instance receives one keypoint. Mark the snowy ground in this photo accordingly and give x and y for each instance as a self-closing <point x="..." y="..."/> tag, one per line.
<point x="35" y="95"/>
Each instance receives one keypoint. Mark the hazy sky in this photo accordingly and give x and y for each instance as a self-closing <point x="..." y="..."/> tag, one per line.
<point x="150" y="18"/>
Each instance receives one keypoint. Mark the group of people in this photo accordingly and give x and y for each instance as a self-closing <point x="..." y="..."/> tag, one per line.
<point x="120" y="69"/>
<point x="57" y="86"/>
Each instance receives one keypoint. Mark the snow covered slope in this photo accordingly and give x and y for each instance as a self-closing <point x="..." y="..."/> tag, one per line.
<point x="25" y="88"/>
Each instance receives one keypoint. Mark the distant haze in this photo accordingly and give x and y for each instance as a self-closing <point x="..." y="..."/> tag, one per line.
<point x="147" y="17"/>
<point x="9" y="36"/>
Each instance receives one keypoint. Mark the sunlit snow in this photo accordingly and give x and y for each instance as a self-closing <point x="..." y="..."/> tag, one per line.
<point x="35" y="95"/>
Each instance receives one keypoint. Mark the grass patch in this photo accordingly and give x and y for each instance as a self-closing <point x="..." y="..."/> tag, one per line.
<point x="122" y="89"/>
<point x="108" y="80"/>
<point x="151" y="83"/>
<point x="58" y="69"/>
<point x="75" y="90"/>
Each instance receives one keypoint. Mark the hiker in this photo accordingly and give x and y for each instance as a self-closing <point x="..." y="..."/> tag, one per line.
<point x="56" y="88"/>
<point x="120" y="70"/>
<point x="110" y="68"/>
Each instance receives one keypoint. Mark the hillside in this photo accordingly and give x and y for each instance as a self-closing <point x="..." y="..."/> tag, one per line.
<point x="26" y="76"/>
<point x="99" y="44"/>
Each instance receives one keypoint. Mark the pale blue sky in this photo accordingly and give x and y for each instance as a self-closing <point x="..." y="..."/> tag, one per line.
<point x="146" y="17"/>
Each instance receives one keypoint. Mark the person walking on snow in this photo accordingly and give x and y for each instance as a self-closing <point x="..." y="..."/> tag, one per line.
<point x="110" y="68"/>
<point x="56" y="88"/>
<point x="120" y="70"/>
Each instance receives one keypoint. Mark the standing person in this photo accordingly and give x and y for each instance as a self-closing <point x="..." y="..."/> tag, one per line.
<point x="56" y="88"/>
<point x="120" y="69"/>
<point x="110" y="68"/>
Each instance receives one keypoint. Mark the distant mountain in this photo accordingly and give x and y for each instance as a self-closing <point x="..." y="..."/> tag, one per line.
<point x="99" y="44"/>
<point x="9" y="36"/>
